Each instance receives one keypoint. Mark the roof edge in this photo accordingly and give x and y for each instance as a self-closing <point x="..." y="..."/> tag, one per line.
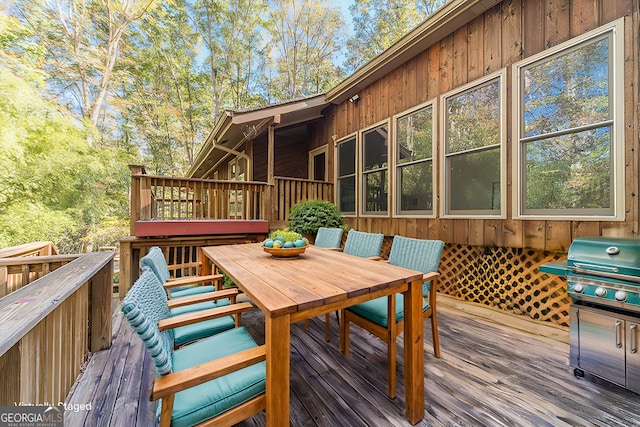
<point x="446" y="20"/>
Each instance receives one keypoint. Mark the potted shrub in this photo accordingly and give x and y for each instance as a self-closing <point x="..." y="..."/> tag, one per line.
<point x="309" y="215"/>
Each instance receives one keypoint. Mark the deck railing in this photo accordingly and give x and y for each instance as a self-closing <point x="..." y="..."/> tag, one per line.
<point x="167" y="198"/>
<point x="22" y="264"/>
<point x="48" y="327"/>
<point x="289" y="191"/>
<point x="29" y="249"/>
<point x="20" y="271"/>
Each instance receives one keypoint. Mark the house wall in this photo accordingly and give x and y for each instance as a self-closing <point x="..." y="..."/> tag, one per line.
<point x="502" y="36"/>
<point x="291" y="153"/>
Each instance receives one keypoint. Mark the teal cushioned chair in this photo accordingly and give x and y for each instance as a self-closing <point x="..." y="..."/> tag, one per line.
<point x="156" y="262"/>
<point x="219" y="380"/>
<point x="416" y="254"/>
<point x="330" y="238"/>
<point x="361" y="244"/>
<point x="184" y="330"/>
<point x="184" y="286"/>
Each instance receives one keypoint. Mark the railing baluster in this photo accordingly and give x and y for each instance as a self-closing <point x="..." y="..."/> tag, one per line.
<point x="196" y="199"/>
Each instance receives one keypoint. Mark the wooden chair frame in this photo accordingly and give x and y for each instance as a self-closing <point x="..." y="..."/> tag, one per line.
<point x="393" y="329"/>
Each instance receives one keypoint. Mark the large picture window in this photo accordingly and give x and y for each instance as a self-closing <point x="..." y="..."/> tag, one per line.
<point x="346" y="176"/>
<point x="375" y="170"/>
<point x="473" y="134"/>
<point x="568" y="138"/>
<point x="414" y="162"/>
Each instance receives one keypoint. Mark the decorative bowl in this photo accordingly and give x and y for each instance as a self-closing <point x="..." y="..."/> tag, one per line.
<point x="284" y="252"/>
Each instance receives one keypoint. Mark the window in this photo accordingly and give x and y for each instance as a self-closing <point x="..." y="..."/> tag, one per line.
<point x="414" y="161"/>
<point x="569" y="155"/>
<point x="375" y="165"/>
<point x="318" y="164"/>
<point x="473" y="135"/>
<point x="346" y="175"/>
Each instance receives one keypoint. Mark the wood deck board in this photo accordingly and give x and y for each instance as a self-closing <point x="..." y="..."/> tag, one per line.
<point x="488" y="375"/>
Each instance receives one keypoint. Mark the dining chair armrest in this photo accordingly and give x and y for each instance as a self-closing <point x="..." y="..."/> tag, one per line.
<point x="174" y="382"/>
<point x="202" y="315"/>
<point x="192" y="280"/>
<point x="207" y="296"/>
<point x="333" y="249"/>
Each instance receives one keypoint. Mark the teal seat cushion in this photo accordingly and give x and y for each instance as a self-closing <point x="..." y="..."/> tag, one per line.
<point x="199" y="307"/>
<point x="376" y="309"/>
<point x="185" y="291"/>
<point x="212" y="398"/>
<point x="196" y="331"/>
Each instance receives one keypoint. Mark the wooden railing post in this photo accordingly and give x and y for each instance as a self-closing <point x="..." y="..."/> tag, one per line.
<point x="100" y="321"/>
<point x="126" y="262"/>
<point x="134" y="209"/>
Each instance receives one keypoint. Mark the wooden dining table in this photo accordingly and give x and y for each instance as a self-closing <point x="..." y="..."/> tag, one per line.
<point x="316" y="282"/>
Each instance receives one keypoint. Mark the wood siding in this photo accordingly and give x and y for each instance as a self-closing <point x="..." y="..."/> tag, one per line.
<point x="502" y="36"/>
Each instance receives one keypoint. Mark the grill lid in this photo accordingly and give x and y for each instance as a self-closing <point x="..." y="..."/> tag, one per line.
<point x="605" y="256"/>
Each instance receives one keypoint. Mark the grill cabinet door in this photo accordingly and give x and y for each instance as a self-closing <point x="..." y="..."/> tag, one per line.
<point x="601" y="341"/>
<point x="633" y="356"/>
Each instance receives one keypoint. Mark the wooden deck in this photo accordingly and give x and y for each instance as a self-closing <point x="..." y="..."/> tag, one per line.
<point x="488" y="375"/>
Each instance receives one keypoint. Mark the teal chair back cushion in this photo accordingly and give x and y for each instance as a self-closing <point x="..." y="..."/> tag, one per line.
<point x="363" y="244"/>
<point x="154" y="259"/>
<point x="417" y="254"/>
<point x="143" y="306"/>
<point x="328" y="237"/>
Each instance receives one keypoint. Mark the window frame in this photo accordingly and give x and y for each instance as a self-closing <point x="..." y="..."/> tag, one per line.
<point x="616" y="116"/>
<point x="360" y="195"/>
<point x="354" y="136"/>
<point x="312" y="155"/>
<point x="445" y="198"/>
<point x="396" y="192"/>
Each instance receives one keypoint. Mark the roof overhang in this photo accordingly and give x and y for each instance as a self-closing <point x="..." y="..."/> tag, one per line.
<point x="234" y="128"/>
<point x="446" y="20"/>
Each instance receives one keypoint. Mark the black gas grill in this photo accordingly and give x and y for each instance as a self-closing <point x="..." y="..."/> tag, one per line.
<point x="603" y="278"/>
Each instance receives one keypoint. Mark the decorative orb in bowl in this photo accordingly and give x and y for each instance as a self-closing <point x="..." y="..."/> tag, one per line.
<point x="285" y="252"/>
<point x="285" y="244"/>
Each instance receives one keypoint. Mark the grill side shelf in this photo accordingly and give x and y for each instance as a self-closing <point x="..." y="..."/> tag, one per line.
<point x="558" y="268"/>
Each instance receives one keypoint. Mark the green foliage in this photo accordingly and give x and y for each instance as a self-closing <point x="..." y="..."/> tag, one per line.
<point x="380" y="23"/>
<point x="309" y="215"/>
<point x="287" y="234"/>
<point x="53" y="185"/>
<point x="306" y="36"/>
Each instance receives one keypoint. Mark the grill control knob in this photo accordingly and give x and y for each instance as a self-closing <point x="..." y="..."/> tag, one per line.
<point x="601" y="292"/>
<point x="578" y="288"/>
<point x="620" y="296"/>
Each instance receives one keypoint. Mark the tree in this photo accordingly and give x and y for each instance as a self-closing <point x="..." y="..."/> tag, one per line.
<point x="231" y="32"/>
<point x="53" y="185"/>
<point x="165" y="98"/>
<point x="306" y="38"/>
<point x="380" y="23"/>
<point x="83" y="39"/>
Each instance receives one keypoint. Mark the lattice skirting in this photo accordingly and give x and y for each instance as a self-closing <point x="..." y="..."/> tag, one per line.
<point x="503" y="278"/>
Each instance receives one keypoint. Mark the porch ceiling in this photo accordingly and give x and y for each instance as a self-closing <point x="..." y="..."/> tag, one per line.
<point x="236" y="127"/>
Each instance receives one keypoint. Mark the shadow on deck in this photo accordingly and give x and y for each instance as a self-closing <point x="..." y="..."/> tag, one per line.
<point x="488" y="375"/>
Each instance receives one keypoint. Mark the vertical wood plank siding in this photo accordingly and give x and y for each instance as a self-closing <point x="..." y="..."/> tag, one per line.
<point x="504" y="34"/>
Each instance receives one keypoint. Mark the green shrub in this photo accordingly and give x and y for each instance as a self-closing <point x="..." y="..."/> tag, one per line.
<point x="309" y="215"/>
